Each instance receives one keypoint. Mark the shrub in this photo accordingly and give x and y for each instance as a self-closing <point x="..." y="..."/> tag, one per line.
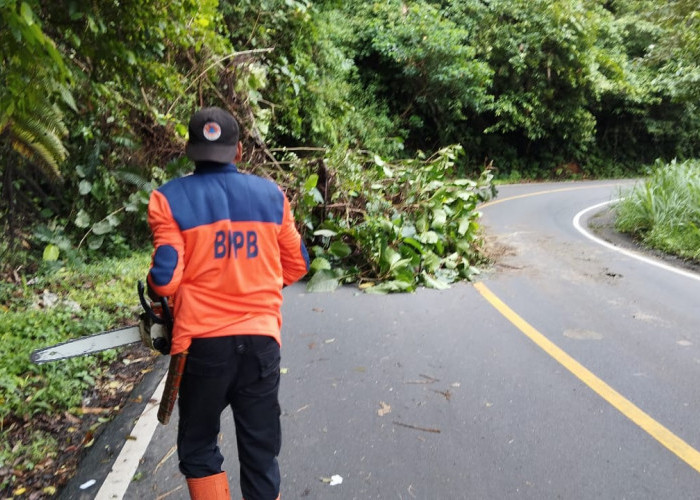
<point x="664" y="210"/>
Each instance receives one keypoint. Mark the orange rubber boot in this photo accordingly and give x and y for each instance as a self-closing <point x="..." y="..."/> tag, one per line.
<point x="209" y="488"/>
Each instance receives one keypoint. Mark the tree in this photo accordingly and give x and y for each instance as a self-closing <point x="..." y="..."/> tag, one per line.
<point x="552" y="61"/>
<point x="658" y="117"/>
<point x="424" y="66"/>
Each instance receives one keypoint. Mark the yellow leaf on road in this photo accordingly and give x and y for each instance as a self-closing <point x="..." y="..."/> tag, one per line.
<point x="385" y="408"/>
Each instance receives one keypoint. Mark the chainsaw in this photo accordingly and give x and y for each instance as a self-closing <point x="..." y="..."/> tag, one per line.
<point x="154" y="330"/>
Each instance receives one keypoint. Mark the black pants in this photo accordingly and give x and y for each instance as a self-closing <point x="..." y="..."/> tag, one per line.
<point x="243" y="372"/>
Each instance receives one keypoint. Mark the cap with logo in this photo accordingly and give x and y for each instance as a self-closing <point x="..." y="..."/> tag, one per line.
<point x="213" y="136"/>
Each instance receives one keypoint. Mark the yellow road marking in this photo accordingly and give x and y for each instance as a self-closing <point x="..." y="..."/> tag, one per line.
<point x="548" y="191"/>
<point x="680" y="448"/>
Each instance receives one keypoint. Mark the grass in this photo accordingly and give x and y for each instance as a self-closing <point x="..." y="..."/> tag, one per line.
<point x="663" y="212"/>
<point x="54" y="306"/>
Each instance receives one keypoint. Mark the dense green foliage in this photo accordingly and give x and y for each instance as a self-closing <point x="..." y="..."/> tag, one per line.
<point x="390" y="225"/>
<point x="663" y="212"/>
<point x="45" y="310"/>
<point x="538" y="87"/>
<point x="109" y="87"/>
<point x="94" y="109"/>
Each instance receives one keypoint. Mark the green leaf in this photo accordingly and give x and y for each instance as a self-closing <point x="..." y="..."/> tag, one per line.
<point x="92" y="25"/>
<point x="384" y="167"/>
<point x="181" y="130"/>
<point x="316" y="195"/>
<point x="340" y="249"/>
<point x="325" y="233"/>
<point x="85" y="187"/>
<point x="403" y="271"/>
<point x="408" y="231"/>
<point x="435" y="283"/>
<point x="390" y="257"/>
<point x="319" y="263"/>
<point x="422" y="224"/>
<point x="391" y="287"/>
<point x="67" y="97"/>
<point x="27" y="14"/>
<point x="82" y="219"/>
<point x="431" y="261"/>
<point x="400" y="266"/>
<point x="51" y="253"/>
<point x="430" y="237"/>
<point x="464" y="223"/>
<point x="323" y="280"/>
<point x="95" y="242"/>
<point x="102" y="227"/>
<point x="311" y="182"/>
<point x="130" y="57"/>
<point x="439" y="218"/>
<point x="414" y="243"/>
<point x="113" y="220"/>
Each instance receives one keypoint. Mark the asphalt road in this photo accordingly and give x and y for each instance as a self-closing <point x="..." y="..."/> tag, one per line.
<point x="569" y="371"/>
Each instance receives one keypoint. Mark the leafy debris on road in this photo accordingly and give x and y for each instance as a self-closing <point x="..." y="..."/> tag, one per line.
<point x="447" y="394"/>
<point x="385" y="408"/>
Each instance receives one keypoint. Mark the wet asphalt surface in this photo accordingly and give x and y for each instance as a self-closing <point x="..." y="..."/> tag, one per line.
<point x="436" y="394"/>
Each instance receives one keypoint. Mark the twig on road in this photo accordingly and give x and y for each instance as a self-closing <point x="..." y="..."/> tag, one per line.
<point x="428" y="380"/>
<point x="417" y="428"/>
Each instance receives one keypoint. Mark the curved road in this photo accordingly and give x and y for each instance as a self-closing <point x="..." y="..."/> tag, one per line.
<point x="569" y="370"/>
<point x="624" y="324"/>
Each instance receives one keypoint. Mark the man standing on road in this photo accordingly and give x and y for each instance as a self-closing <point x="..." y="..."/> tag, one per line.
<point x="225" y="244"/>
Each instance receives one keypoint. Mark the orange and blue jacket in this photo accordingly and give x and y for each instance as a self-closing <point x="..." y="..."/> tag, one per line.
<point x="224" y="245"/>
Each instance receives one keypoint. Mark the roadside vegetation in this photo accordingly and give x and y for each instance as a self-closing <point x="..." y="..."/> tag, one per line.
<point x="386" y="123"/>
<point x="51" y="413"/>
<point x="663" y="211"/>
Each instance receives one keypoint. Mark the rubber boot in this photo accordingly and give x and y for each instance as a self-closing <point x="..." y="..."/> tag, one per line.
<point x="209" y="488"/>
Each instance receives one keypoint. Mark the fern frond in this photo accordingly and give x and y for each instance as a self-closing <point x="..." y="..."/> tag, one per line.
<point x="35" y="137"/>
<point x="34" y="131"/>
<point x="50" y="117"/>
<point x="131" y="178"/>
<point x="38" y="155"/>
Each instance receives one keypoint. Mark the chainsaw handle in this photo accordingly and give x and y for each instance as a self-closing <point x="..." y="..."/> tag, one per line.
<point x="166" y="319"/>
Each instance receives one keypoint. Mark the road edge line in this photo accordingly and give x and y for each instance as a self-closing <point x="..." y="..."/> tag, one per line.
<point x="629" y="253"/>
<point x="124" y="467"/>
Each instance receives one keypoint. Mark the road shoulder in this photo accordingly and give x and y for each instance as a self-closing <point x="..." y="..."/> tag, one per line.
<point x="602" y="225"/>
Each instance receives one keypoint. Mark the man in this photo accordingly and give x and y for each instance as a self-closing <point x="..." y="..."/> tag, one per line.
<point x="225" y="244"/>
